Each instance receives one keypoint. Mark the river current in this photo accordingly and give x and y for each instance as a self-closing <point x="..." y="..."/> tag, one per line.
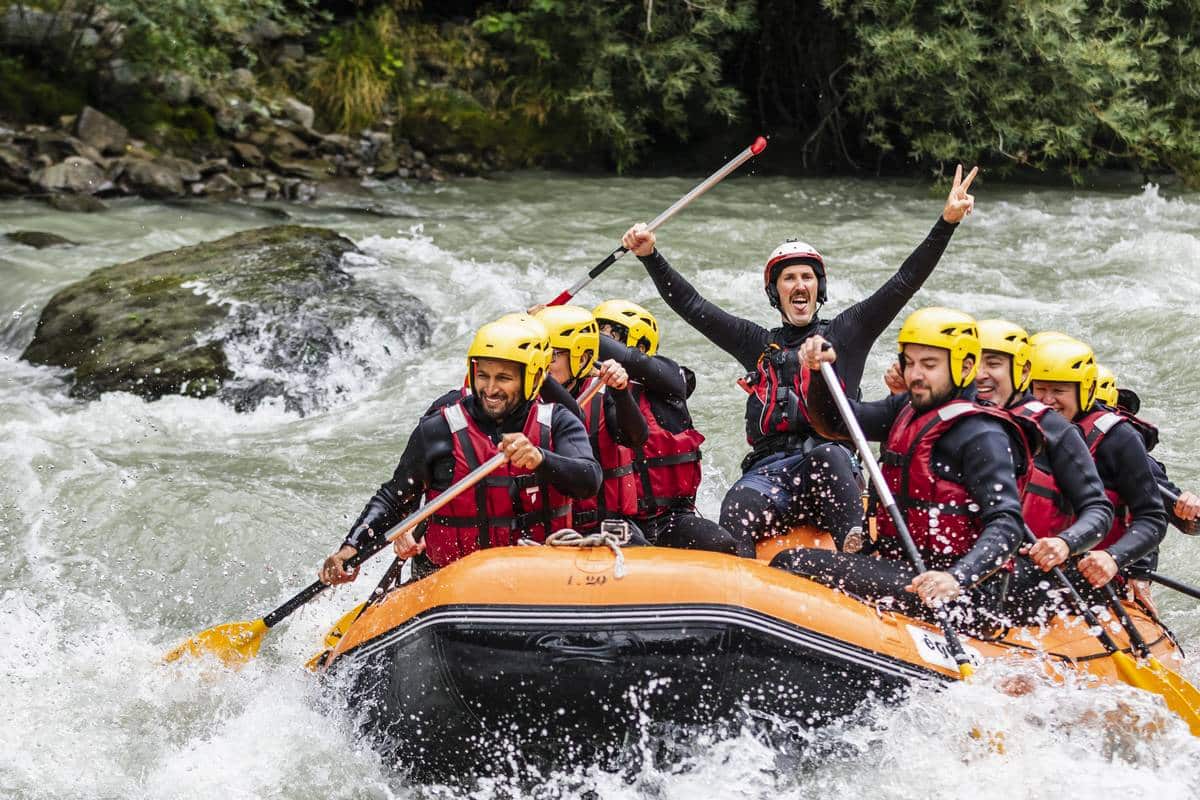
<point x="126" y="525"/>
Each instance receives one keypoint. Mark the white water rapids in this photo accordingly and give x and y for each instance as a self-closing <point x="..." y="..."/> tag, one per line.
<point x="127" y="525"/>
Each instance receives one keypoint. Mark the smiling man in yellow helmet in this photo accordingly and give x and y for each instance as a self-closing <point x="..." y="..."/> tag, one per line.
<point x="549" y="461"/>
<point x="612" y="418"/>
<point x="1064" y="377"/>
<point x="952" y="465"/>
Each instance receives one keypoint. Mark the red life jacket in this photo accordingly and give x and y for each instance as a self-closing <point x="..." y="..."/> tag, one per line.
<point x="667" y="466"/>
<point x="509" y="504"/>
<point x="780" y="383"/>
<point x="1046" y="510"/>
<point x="941" y="515"/>
<point x="619" y="493"/>
<point x="1094" y="427"/>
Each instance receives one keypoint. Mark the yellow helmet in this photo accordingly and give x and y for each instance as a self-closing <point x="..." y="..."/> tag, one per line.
<point x="948" y="329"/>
<point x="574" y="329"/>
<point x="521" y="318"/>
<point x="1067" y="360"/>
<point x="1002" y="336"/>
<point x="1044" y="336"/>
<point x="1106" y="386"/>
<point x="637" y="321"/>
<point x="512" y="340"/>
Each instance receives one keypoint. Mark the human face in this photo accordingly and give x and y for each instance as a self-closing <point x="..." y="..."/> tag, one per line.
<point x="926" y="373"/>
<point x="620" y="333"/>
<point x="1062" y="396"/>
<point x="498" y="385"/>
<point x="560" y="366"/>
<point x="994" y="380"/>
<point x="797" y="287"/>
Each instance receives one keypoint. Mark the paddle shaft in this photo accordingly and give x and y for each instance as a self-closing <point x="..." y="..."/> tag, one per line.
<point x="1080" y="604"/>
<point x="411" y="521"/>
<point x="889" y="501"/>
<point x="1135" y="636"/>
<point x="1171" y="583"/>
<point x="754" y="149"/>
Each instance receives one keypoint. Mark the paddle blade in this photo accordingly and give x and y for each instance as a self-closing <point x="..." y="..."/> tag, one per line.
<point x="1156" y="678"/>
<point x="234" y="643"/>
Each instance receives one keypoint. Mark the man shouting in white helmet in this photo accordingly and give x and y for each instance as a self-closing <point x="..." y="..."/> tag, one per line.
<point x="792" y="476"/>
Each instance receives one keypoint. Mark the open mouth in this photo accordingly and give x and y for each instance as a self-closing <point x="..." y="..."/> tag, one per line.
<point x="799" y="303"/>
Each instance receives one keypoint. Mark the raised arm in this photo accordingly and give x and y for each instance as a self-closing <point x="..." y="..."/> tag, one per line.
<point x="856" y="329"/>
<point x="740" y="338"/>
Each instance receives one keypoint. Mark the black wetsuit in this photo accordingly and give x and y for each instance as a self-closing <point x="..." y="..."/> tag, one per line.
<point x="1064" y="454"/>
<point x="975" y="453"/>
<point x="1126" y="468"/>
<point x="778" y="489"/>
<point x="667" y="386"/>
<point x="428" y="463"/>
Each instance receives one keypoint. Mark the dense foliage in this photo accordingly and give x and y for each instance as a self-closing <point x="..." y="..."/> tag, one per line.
<point x="1062" y="85"/>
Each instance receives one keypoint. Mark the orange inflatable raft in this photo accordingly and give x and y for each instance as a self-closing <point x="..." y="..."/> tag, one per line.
<point x="541" y="648"/>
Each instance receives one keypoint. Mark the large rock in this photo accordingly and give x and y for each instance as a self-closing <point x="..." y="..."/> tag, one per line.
<point x="38" y="239"/>
<point x="75" y="174"/>
<point x="150" y="178"/>
<point x="268" y="312"/>
<point x="101" y="131"/>
<point x="298" y="112"/>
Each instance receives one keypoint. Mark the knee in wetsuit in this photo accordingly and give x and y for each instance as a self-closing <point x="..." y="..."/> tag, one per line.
<point x="748" y="515"/>
<point x="833" y="491"/>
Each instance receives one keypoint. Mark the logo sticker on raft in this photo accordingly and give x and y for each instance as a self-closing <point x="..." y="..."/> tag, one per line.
<point x="933" y="649"/>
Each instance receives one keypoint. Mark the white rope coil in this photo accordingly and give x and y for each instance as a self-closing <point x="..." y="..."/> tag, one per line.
<point x="568" y="537"/>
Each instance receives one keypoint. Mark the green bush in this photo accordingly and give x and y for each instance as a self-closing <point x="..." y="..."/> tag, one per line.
<point x="1070" y="84"/>
<point x="620" y="72"/>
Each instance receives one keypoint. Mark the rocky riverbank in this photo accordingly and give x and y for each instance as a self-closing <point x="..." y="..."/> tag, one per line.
<point x="270" y="152"/>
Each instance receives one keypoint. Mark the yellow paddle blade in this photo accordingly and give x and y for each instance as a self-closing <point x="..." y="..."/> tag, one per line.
<point x="234" y="643"/>
<point x="342" y="625"/>
<point x="1160" y="680"/>
<point x="334" y="636"/>
<point x="1187" y="695"/>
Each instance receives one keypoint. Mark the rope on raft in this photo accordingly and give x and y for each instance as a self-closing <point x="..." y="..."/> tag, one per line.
<point x="568" y="537"/>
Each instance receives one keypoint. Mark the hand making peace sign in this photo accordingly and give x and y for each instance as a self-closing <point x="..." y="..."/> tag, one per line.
<point x="959" y="203"/>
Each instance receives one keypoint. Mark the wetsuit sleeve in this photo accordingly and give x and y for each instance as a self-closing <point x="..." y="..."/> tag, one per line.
<point x="570" y="467"/>
<point x="1075" y="473"/>
<point x="1121" y="458"/>
<point x="855" y="330"/>
<point x="624" y="418"/>
<point x="554" y="392"/>
<point x="983" y="451"/>
<point x="874" y="417"/>
<point x="658" y="374"/>
<point x="1159" y="470"/>
<point x="399" y="497"/>
<point x="741" y="338"/>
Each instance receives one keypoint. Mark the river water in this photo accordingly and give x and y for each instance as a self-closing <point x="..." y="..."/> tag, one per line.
<point x="127" y="525"/>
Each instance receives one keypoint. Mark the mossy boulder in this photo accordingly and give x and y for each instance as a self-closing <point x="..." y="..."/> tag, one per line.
<point x="262" y="313"/>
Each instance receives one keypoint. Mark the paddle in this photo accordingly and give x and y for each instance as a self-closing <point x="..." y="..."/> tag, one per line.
<point x="754" y="149"/>
<point x="1189" y="527"/>
<point x="1146" y="678"/>
<point x="237" y="642"/>
<point x="1171" y="583"/>
<point x="1181" y="696"/>
<point x="885" y="495"/>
